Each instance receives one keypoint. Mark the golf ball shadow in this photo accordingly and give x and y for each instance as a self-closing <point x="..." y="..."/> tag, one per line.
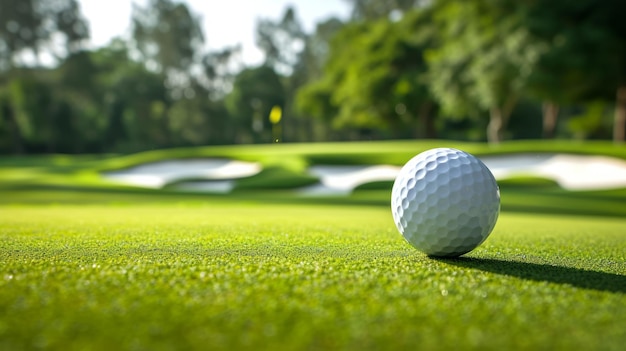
<point x="445" y="202"/>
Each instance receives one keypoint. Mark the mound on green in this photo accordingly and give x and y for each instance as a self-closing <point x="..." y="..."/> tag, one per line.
<point x="274" y="177"/>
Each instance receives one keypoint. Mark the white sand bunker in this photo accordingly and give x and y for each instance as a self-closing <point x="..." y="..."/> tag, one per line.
<point x="219" y="174"/>
<point x="572" y="172"/>
<point x="342" y="180"/>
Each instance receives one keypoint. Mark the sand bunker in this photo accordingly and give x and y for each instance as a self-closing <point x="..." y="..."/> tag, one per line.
<point x="342" y="180"/>
<point x="159" y="174"/>
<point x="572" y="172"/>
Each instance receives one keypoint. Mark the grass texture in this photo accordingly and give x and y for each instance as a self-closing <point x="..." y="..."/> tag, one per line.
<point x="248" y="276"/>
<point x="90" y="265"/>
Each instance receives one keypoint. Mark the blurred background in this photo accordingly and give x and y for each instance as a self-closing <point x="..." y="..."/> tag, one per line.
<point x="88" y="76"/>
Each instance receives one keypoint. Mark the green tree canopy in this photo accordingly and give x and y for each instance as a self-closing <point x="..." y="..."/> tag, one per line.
<point x="374" y="77"/>
<point x="34" y="26"/>
<point x="482" y="62"/>
<point x="281" y="41"/>
<point x="255" y="92"/>
<point x="167" y="34"/>
<point x="376" y="9"/>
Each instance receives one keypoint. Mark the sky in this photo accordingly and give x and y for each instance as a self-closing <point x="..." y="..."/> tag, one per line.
<point x="225" y="22"/>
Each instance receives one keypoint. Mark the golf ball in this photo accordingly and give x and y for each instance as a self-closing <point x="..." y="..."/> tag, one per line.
<point x="445" y="202"/>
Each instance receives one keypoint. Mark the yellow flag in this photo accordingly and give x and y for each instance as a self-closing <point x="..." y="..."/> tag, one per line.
<point x="275" y="114"/>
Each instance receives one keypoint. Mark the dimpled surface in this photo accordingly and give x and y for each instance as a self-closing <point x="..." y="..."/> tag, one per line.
<point x="445" y="202"/>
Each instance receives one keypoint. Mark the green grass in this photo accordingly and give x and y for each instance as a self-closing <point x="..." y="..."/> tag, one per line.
<point x="244" y="276"/>
<point x="77" y="179"/>
<point x="298" y="156"/>
<point x="274" y="177"/>
<point x="90" y="265"/>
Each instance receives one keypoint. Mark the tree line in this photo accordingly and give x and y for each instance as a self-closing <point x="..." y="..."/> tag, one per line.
<point x="471" y="70"/>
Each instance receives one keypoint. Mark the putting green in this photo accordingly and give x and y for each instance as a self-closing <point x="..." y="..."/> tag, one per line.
<point x="86" y="264"/>
<point x="241" y="275"/>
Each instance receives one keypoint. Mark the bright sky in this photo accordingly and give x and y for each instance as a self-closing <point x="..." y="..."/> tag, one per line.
<point x="225" y="22"/>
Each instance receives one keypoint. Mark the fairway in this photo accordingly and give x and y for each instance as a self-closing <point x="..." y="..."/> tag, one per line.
<point x="86" y="264"/>
<point x="251" y="275"/>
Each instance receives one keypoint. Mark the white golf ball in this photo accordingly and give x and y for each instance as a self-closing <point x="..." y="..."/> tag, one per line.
<point x="445" y="202"/>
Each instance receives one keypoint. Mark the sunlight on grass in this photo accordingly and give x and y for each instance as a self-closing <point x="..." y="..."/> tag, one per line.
<point x="236" y="275"/>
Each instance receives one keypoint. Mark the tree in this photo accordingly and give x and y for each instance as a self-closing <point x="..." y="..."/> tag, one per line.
<point x="281" y="41"/>
<point x="255" y="92"/>
<point x="583" y="55"/>
<point x="375" y="78"/>
<point x="35" y="112"/>
<point x="556" y="51"/>
<point x="133" y="101"/>
<point x="376" y="9"/>
<point x="310" y="95"/>
<point x="477" y="65"/>
<point x="170" y="40"/>
<point x="218" y="72"/>
<point x="612" y="15"/>
<point x="569" y="45"/>
<point x="31" y="106"/>
<point x="317" y="48"/>
<point x="47" y="119"/>
<point x="36" y="25"/>
<point x="166" y="34"/>
<point x="81" y="97"/>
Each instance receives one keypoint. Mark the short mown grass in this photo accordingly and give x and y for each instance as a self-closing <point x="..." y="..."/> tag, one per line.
<point x="90" y="265"/>
<point x="275" y="276"/>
